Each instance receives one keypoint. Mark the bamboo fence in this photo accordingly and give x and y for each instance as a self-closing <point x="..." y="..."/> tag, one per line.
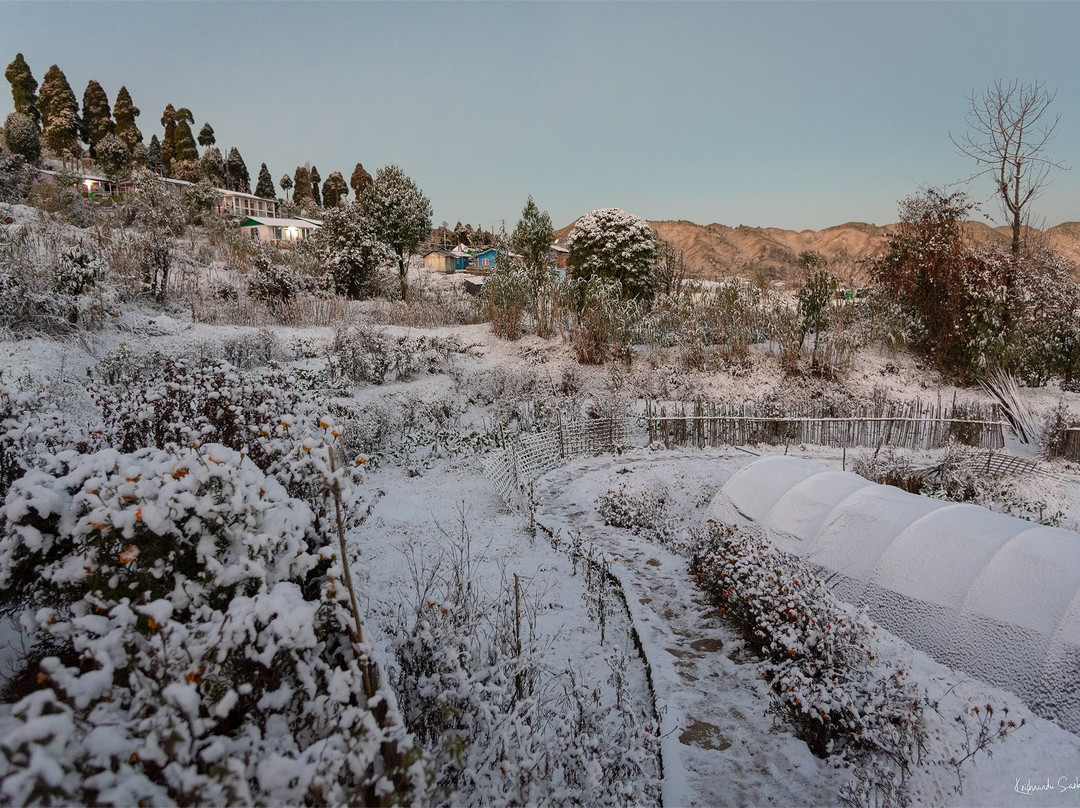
<point x="911" y="424"/>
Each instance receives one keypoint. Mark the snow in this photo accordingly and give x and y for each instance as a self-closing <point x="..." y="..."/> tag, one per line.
<point x="967" y="574"/>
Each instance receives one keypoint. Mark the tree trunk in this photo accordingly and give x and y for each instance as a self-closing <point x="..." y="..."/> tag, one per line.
<point x="403" y="276"/>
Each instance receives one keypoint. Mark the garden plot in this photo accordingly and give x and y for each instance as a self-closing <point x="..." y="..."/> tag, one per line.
<point x="716" y="730"/>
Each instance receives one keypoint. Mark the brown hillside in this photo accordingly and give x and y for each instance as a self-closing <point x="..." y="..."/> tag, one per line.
<point x="715" y="251"/>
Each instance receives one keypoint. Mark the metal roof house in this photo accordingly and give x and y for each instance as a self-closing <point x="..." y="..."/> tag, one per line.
<point x="279" y="231"/>
<point x="485" y="258"/>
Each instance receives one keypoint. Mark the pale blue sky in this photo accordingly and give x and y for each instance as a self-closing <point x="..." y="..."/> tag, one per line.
<point x="793" y="115"/>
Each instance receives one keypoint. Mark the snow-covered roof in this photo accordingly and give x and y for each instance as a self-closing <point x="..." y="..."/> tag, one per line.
<point x="302" y="224"/>
<point x="991" y="594"/>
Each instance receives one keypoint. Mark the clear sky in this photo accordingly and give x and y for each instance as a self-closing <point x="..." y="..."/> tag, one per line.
<point x="794" y="115"/>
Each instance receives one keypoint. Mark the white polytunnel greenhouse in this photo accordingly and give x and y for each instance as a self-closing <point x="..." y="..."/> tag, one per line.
<point x="989" y="594"/>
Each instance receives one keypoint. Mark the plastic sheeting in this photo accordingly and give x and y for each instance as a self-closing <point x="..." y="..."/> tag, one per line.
<point x="989" y="594"/>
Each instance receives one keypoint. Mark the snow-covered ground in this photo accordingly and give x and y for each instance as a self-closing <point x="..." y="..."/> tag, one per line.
<point x="719" y="746"/>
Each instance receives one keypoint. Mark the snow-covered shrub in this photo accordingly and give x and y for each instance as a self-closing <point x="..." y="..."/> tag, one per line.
<point x="272" y="280"/>
<point x="507" y="293"/>
<point x="127" y="364"/>
<point x="823" y="661"/>
<point x="253" y="348"/>
<point x="364" y="355"/>
<point x="16" y="177"/>
<point x="501" y="726"/>
<point x="262" y="413"/>
<point x="612" y="244"/>
<point x="194" y="641"/>
<point x="639" y="509"/>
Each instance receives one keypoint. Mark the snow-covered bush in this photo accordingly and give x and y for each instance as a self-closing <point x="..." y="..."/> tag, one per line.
<point x="263" y="414"/>
<point x="507" y="293"/>
<point x="193" y="641"/>
<point x="373" y="357"/>
<point x="824" y="666"/>
<point x="641" y="510"/>
<point x="16" y="177"/>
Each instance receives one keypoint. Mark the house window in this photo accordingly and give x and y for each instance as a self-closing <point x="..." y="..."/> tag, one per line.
<point x="277" y="234"/>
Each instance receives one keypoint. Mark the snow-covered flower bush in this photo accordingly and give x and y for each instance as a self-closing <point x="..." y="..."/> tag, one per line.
<point x="283" y="430"/>
<point x="641" y="510"/>
<point x="193" y="641"/>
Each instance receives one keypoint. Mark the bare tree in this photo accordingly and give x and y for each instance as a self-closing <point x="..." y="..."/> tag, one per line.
<point x="1007" y="136"/>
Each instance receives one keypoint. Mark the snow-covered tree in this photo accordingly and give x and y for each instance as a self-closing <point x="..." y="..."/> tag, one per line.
<point x="168" y="146"/>
<point x="610" y="243"/>
<point x="265" y="186"/>
<point x="302" y="186"/>
<point x="184" y="147"/>
<point x="286" y="183"/>
<point x="360" y="180"/>
<point x="113" y="155"/>
<point x="206" y="135"/>
<point x="125" y="113"/>
<point x="334" y="190"/>
<point x="155" y="160"/>
<point x="59" y="113"/>
<point x="212" y="166"/>
<point x="97" y="119"/>
<point x="23" y="88"/>
<point x="350" y="246"/>
<point x="22" y="138"/>
<point x="532" y="239"/>
<point x="401" y="215"/>
<point x="236" y="172"/>
<point x="315" y="180"/>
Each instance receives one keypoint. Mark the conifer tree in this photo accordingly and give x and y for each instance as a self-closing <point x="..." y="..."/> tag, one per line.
<point x="21" y="137"/>
<point x="236" y="172"/>
<point x="97" y="119"/>
<point x="125" y="113"/>
<point x="315" y="181"/>
<point x="59" y="113"/>
<point x="212" y="167"/>
<point x="302" y="186"/>
<point x="334" y="190"/>
<point x="23" y="89"/>
<point x="400" y="214"/>
<point x="154" y="160"/>
<point x="206" y="136"/>
<point x="184" y="147"/>
<point x="168" y="120"/>
<point x="265" y="186"/>
<point x="360" y="180"/>
<point x="286" y="184"/>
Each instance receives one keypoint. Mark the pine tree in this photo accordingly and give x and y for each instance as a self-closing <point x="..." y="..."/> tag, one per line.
<point x="59" y="113"/>
<point x="206" y="136"/>
<point x="212" y="166"/>
<point x="360" y="180"/>
<point x="113" y="155"/>
<point x="168" y="120"/>
<point x="184" y="147"/>
<point x="125" y="113"/>
<point x="265" y="186"/>
<point x="236" y="171"/>
<point x="334" y="190"/>
<point x="154" y="160"/>
<point x="97" y="119"/>
<point x="23" y="89"/>
<point x="286" y="184"/>
<point x="302" y="186"/>
<point x="315" y="181"/>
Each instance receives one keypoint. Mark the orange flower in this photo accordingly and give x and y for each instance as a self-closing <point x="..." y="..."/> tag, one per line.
<point x="151" y="622"/>
<point x="179" y="474"/>
<point x="134" y="757"/>
<point x="100" y="525"/>
<point x="138" y="515"/>
<point x="130" y="553"/>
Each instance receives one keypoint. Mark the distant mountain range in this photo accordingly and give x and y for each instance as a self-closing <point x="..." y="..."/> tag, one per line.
<point x="715" y="251"/>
